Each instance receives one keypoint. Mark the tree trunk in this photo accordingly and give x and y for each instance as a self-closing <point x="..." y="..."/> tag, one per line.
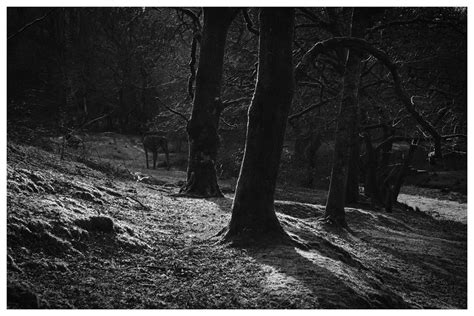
<point x="207" y="106"/>
<point x="253" y="214"/>
<point x="360" y="21"/>
<point x="353" y="172"/>
<point x="386" y="149"/>
<point x="403" y="172"/>
<point x="371" y="166"/>
<point x="347" y="127"/>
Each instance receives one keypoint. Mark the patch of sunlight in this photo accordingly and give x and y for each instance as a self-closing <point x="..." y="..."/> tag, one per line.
<point x="440" y="209"/>
<point x="343" y="272"/>
<point x="279" y="281"/>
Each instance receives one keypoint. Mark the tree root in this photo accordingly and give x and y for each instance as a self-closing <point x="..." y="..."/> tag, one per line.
<point x="258" y="239"/>
<point x="333" y="221"/>
<point x="196" y="196"/>
<point x="192" y="189"/>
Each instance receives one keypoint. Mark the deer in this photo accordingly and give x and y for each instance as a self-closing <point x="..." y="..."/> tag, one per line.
<point x="152" y="142"/>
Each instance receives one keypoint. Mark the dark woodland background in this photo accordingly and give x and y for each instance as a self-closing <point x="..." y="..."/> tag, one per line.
<point x="77" y="64"/>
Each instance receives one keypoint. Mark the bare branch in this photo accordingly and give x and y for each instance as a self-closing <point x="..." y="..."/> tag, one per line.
<point x="318" y="22"/>
<point x="308" y="109"/>
<point x="227" y="103"/>
<point x="193" y="16"/>
<point x="184" y="117"/>
<point x="445" y="137"/>
<point x="192" y="68"/>
<point x="416" y="20"/>
<point x="360" y="44"/>
<point x="232" y="126"/>
<point x="28" y="25"/>
<point x="96" y="119"/>
<point x="249" y="23"/>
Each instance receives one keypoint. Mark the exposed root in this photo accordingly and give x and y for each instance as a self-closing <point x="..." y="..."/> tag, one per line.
<point x="333" y="251"/>
<point x="193" y="190"/>
<point x="334" y="221"/>
<point x="258" y="239"/>
<point x="195" y="195"/>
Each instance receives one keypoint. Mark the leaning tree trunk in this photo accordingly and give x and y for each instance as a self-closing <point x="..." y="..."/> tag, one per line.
<point x="207" y="106"/>
<point x="253" y="214"/>
<point x="360" y="21"/>
<point x="346" y="127"/>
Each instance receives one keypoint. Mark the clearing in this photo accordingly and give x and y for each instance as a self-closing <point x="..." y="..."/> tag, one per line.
<point x="107" y="233"/>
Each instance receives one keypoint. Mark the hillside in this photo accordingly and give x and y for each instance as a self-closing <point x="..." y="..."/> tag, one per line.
<point x="106" y="233"/>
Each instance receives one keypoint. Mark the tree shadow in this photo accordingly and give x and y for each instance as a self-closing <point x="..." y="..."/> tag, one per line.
<point x="224" y="203"/>
<point x="326" y="288"/>
<point x="329" y="275"/>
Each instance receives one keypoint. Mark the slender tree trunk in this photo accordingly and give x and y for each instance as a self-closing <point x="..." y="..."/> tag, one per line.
<point x="207" y="106"/>
<point x="370" y="183"/>
<point x="386" y="150"/>
<point x="253" y="214"/>
<point x="403" y="171"/>
<point x="353" y="172"/>
<point x="347" y="127"/>
<point x="360" y="21"/>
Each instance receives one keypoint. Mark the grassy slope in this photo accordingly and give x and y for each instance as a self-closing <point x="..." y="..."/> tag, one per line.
<point x="78" y="237"/>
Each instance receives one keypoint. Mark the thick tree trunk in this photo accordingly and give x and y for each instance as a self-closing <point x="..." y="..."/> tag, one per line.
<point x="207" y="106"/>
<point x="253" y="215"/>
<point x="347" y="127"/>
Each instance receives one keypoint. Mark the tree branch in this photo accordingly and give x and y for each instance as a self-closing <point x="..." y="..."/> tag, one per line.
<point x="184" y="117"/>
<point x="445" y="137"/>
<point x="416" y="20"/>
<point x="192" y="68"/>
<point x="249" y="23"/>
<point x="360" y="44"/>
<point x="30" y="24"/>
<point x="227" y="103"/>
<point x="373" y="126"/>
<point x="193" y="16"/>
<point x="308" y="109"/>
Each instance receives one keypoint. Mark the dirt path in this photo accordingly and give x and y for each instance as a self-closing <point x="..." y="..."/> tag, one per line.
<point x="81" y="237"/>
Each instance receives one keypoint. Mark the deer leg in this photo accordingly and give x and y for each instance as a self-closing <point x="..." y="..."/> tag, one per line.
<point x="155" y="154"/>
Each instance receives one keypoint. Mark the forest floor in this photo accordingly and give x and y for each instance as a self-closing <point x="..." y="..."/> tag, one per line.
<point x="107" y="233"/>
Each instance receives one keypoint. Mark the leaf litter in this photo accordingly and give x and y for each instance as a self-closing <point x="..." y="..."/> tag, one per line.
<point x="82" y="238"/>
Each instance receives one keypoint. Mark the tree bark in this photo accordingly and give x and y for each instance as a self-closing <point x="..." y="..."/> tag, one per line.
<point x="353" y="172"/>
<point x="253" y="215"/>
<point x="404" y="170"/>
<point x="207" y="106"/>
<point x="361" y="19"/>
<point x="347" y="129"/>
<point x="371" y="165"/>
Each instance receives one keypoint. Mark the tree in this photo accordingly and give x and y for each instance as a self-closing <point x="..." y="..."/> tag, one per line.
<point x="253" y="214"/>
<point x="207" y="106"/>
<point x="360" y="21"/>
<point x="347" y="128"/>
